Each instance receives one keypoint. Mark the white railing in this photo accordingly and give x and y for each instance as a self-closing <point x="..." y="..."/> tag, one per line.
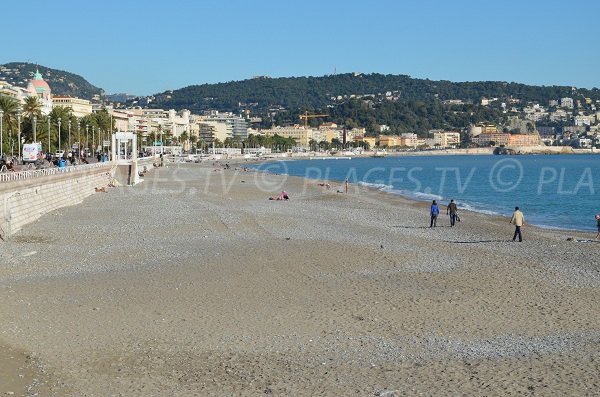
<point x="29" y="174"/>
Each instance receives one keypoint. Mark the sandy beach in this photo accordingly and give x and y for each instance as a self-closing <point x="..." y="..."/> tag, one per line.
<point x="193" y="283"/>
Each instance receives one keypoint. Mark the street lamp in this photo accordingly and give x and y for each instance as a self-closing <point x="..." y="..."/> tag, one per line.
<point x="69" y="149"/>
<point x="49" y="145"/>
<point x="19" y="131"/>
<point x="87" y="141"/>
<point x="1" y="116"/>
<point x="78" y="139"/>
<point x="34" y="129"/>
<point x="59" y="148"/>
<point x="93" y="140"/>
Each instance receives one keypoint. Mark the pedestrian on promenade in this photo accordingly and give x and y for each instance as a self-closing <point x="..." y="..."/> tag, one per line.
<point x="434" y="212"/>
<point x="518" y="220"/>
<point x="452" y="211"/>
<point x="598" y="223"/>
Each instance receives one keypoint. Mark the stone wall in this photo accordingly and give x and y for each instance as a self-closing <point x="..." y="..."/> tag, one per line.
<point x="24" y="201"/>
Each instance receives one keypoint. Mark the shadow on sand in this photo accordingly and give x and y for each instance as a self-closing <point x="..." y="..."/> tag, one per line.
<point x="477" y="241"/>
<point x="419" y="227"/>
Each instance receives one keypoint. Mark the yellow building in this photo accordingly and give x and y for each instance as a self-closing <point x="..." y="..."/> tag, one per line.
<point x="488" y="128"/>
<point x="389" y="141"/>
<point x="79" y="107"/>
<point x="329" y="135"/>
<point x="365" y="139"/>
<point x="301" y="135"/>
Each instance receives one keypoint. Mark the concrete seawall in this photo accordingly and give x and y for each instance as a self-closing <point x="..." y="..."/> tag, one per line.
<point x="24" y="201"/>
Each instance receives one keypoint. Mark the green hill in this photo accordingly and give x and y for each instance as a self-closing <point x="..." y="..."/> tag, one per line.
<point x="317" y="92"/>
<point x="402" y="103"/>
<point x="61" y="82"/>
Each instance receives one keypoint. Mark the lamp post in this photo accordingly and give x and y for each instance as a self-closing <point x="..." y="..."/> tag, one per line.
<point x="69" y="149"/>
<point x="49" y="148"/>
<point x="1" y="116"/>
<point x="87" y="141"/>
<point x="93" y="140"/>
<point x="59" y="147"/>
<point x="78" y="139"/>
<point x="34" y="128"/>
<point x="19" y="132"/>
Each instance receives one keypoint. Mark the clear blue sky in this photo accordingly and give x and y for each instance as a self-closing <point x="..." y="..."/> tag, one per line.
<point x="148" y="46"/>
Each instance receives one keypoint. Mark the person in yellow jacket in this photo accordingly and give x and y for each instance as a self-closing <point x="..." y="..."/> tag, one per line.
<point x="518" y="220"/>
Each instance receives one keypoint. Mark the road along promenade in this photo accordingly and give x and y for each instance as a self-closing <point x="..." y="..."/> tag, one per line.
<point x="194" y="283"/>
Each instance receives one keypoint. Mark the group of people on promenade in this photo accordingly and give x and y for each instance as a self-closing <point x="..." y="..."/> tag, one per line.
<point x="517" y="219"/>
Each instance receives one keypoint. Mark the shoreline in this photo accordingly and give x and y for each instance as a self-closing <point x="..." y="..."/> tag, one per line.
<point x="205" y="286"/>
<point x="579" y="232"/>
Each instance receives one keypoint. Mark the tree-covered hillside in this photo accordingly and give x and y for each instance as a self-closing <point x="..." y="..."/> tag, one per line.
<point x="60" y="82"/>
<point x="316" y="92"/>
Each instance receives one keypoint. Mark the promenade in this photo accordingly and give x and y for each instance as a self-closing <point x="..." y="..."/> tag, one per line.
<point x="194" y="283"/>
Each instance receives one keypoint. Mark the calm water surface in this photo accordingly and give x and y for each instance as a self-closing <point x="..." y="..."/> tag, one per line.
<point x="558" y="191"/>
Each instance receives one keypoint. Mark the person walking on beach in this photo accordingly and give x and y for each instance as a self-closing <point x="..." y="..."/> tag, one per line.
<point x="452" y="211"/>
<point x="434" y="212"/>
<point x="598" y="222"/>
<point x="518" y="220"/>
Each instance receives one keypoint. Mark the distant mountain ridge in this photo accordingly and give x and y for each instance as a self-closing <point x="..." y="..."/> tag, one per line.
<point x="60" y="81"/>
<point x="317" y="92"/>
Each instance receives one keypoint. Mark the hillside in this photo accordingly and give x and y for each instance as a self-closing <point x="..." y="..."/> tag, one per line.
<point x="61" y="82"/>
<point x="316" y="92"/>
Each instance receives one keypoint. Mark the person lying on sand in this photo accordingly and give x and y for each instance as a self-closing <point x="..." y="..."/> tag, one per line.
<point x="282" y="196"/>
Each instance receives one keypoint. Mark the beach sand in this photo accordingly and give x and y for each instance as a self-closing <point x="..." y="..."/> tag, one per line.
<point x="193" y="283"/>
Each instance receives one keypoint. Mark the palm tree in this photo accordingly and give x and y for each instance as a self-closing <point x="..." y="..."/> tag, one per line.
<point x="10" y="107"/>
<point x="32" y="107"/>
<point x="193" y="140"/>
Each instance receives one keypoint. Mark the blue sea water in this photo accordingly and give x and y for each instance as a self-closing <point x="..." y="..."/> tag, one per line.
<point x="555" y="191"/>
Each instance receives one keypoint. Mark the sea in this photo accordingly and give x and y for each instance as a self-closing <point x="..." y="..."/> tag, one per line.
<point x="553" y="191"/>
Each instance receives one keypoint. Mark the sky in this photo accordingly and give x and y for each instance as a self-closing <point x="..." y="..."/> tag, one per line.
<point x="143" y="47"/>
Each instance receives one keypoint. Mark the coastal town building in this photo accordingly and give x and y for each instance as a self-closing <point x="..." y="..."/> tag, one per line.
<point x="368" y="140"/>
<point x="79" y="107"/>
<point x="507" y="139"/>
<point x="301" y="135"/>
<point x="566" y="103"/>
<point x="558" y="115"/>
<point x="236" y="126"/>
<point x="13" y="91"/>
<point x="38" y="87"/>
<point x="409" y="140"/>
<point x="445" y="139"/>
<point x="389" y="141"/>
<point x="491" y="139"/>
<point x="583" y="120"/>
<point x="532" y="139"/>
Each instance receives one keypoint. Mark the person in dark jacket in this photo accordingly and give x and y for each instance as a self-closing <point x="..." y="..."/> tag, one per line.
<point x="452" y="211"/>
<point x="434" y="212"/>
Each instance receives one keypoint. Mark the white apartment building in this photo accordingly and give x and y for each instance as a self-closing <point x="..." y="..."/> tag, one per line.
<point x="446" y="139"/>
<point x="558" y="115"/>
<point x="566" y="103"/>
<point x="409" y="139"/>
<point x="583" y="120"/>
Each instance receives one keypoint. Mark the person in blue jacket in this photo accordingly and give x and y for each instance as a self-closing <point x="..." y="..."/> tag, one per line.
<point x="435" y="211"/>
